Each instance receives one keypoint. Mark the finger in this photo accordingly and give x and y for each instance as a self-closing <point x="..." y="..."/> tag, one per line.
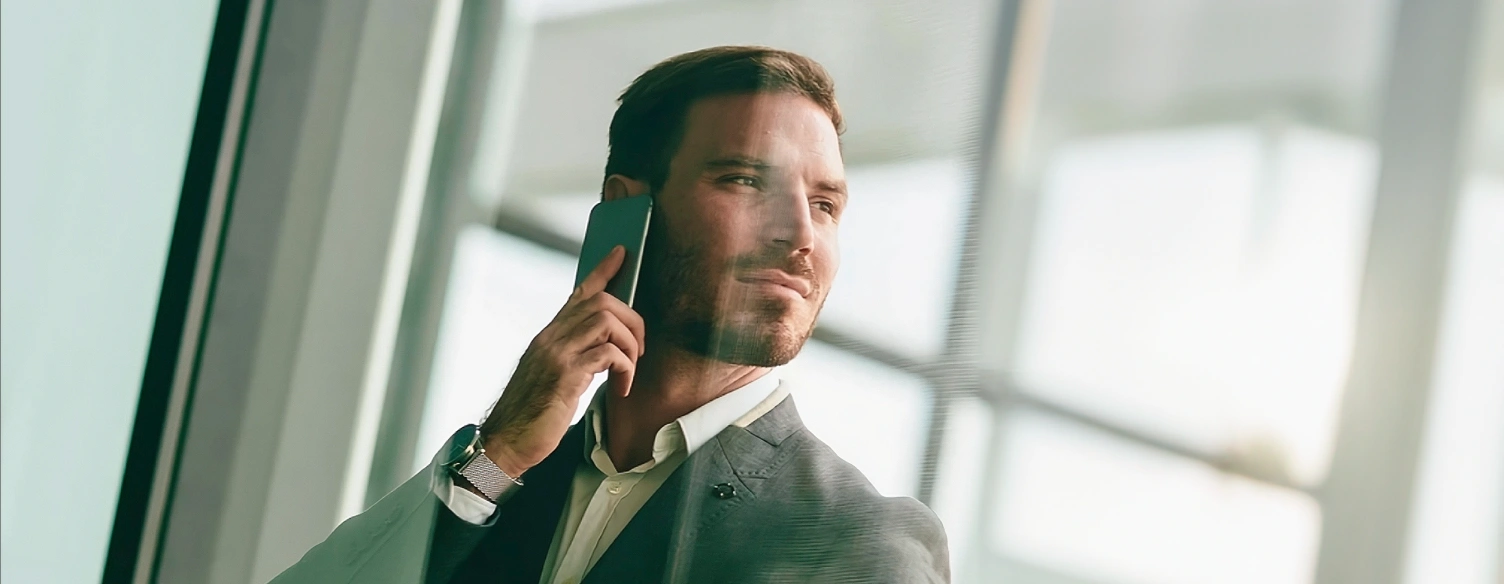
<point x="628" y="317"/>
<point x="609" y="357"/>
<point x="577" y="316"/>
<point x="620" y="384"/>
<point x="596" y="281"/>
<point x="603" y="327"/>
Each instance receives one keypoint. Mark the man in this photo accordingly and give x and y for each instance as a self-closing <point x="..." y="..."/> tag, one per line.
<point x="691" y="464"/>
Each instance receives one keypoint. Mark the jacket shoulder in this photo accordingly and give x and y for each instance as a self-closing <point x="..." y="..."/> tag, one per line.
<point x="824" y="504"/>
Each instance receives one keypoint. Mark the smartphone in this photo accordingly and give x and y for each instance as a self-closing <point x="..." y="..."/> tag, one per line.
<point x="621" y="222"/>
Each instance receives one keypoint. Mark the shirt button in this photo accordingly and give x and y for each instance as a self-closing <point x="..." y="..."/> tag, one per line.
<point x="613" y="488"/>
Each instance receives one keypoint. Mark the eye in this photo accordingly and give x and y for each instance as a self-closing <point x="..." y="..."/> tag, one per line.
<point x="743" y="180"/>
<point x="828" y="207"/>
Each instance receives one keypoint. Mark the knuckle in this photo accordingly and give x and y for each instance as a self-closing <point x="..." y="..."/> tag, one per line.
<point x="556" y="359"/>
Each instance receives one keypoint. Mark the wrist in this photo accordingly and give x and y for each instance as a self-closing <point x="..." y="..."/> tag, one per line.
<point x="463" y="483"/>
<point x="471" y="470"/>
<point x="505" y="460"/>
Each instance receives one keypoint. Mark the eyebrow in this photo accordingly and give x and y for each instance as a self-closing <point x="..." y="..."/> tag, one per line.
<point x="833" y="186"/>
<point x="737" y="162"/>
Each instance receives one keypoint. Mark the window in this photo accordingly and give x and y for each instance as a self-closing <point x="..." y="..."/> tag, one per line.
<point x="1200" y="284"/>
<point x="502" y="291"/>
<point x="1457" y="533"/>
<point x="1086" y="504"/>
<point x="1459" y="496"/>
<point x="872" y="415"/>
<point x="900" y="238"/>
<point x="1187" y="189"/>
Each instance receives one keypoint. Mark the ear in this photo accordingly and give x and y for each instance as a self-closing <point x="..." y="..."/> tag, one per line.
<point x="620" y="186"/>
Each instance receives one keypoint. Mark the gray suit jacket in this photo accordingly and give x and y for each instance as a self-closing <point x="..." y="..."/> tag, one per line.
<point x="766" y="503"/>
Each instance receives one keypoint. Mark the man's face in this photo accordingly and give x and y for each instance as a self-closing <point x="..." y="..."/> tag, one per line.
<point x="743" y="247"/>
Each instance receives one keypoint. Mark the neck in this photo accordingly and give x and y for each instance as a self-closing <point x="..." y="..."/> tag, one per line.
<point x="668" y="384"/>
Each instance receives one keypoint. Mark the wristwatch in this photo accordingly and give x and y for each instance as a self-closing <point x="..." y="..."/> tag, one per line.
<point x="466" y="459"/>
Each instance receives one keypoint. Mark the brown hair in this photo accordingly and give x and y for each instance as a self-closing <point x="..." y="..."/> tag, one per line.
<point x="649" y="119"/>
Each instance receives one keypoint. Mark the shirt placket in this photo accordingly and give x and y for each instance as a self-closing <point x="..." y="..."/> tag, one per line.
<point x="608" y="495"/>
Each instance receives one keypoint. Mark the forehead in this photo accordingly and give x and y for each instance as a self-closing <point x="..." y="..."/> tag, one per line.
<point x="783" y="129"/>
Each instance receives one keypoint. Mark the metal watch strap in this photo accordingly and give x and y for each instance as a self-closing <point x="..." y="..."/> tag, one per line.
<point x="486" y="477"/>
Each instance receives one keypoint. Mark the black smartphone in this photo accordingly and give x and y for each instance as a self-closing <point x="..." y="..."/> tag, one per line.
<point x="621" y="222"/>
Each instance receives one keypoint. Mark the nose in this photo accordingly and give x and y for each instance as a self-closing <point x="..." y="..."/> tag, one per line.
<point x="790" y="225"/>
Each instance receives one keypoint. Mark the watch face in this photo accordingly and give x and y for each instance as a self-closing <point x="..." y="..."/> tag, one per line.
<point x="461" y="445"/>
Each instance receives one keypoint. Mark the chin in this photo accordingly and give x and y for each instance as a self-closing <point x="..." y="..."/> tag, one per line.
<point x="760" y="332"/>
<point x="767" y="344"/>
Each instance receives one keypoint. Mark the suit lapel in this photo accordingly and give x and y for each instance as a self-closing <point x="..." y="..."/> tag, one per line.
<point x="721" y="476"/>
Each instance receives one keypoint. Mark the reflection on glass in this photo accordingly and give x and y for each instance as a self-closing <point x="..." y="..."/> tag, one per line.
<point x="1079" y="503"/>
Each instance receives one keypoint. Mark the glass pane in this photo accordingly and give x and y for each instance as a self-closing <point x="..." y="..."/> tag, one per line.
<point x="1093" y="507"/>
<point x="502" y="291"/>
<point x="872" y="415"/>
<point x="1195" y="284"/>
<point x="900" y="238"/>
<point x="910" y="79"/>
<point x="564" y="214"/>
<point x="99" y="102"/>
<point x="1459" y="498"/>
<point x="1201" y="173"/>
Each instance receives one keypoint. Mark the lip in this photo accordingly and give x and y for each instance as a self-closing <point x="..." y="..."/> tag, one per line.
<point x="780" y="278"/>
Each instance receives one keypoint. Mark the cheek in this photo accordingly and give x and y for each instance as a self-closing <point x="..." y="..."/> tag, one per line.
<point x="827" y="260"/>
<point x="715" y="228"/>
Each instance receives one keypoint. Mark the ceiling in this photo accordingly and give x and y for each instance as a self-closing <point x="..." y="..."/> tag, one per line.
<point x="910" y="73"/>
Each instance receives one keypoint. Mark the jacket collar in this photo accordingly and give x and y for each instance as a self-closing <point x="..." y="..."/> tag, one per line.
<point x="727" y="473"/>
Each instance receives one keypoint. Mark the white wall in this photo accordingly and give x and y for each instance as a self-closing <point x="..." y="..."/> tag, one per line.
<point x="98" y="102"/>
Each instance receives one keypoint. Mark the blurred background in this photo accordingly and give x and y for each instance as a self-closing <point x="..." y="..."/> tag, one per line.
<point x="1161" y="291"/>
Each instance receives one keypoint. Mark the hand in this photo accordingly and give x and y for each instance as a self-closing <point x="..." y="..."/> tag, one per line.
<point x="593" y="332"/>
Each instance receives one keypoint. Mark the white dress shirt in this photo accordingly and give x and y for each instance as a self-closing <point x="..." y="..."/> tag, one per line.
<point x="602" y="499"/>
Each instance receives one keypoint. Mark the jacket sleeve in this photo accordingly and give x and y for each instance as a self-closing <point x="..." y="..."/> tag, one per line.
<point x="915" y="546"/>
<point x="408" y="537"/>
<point x="903" y="542"/>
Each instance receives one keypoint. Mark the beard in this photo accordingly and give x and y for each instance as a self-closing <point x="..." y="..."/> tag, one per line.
<point x="684" y="300"/>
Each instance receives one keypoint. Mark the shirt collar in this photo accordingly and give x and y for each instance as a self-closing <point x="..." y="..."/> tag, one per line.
<point x="692" y="430"/>
<point x="704" y="423"/>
